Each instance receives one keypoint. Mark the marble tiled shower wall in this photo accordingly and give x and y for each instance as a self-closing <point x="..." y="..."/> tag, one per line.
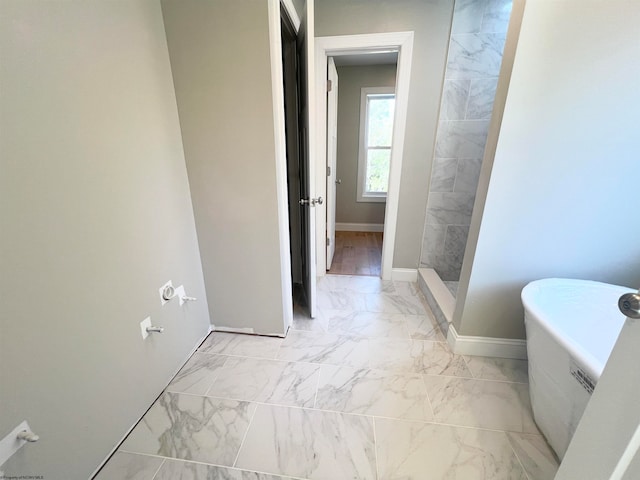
<point x="475" y="55"/>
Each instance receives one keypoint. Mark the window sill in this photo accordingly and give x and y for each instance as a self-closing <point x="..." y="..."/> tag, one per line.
<point x="372" y="199"/>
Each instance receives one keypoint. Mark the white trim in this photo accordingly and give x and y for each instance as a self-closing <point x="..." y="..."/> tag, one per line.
<point x="293" y="14"/>
<point x="359" y="227"/>
<point x="402" y="42"/>
<point x="280" y="139"/>
<point x="404" y="274"/>
<point x="363" y="141"/>
<point x="486" y="346"/>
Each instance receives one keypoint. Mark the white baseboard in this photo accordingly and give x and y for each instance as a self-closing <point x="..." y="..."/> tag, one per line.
<point x="404" y="274"/>
<point x="359" y="227"/>
<point x="486" y="346"/>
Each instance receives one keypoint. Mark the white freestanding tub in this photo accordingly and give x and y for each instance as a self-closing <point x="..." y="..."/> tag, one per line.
<point x="571" y="328"/>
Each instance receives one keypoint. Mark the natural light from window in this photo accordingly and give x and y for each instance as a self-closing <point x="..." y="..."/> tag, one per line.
<point x="376" y="132"/>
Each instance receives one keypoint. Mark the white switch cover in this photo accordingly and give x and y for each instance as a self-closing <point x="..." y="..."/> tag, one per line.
<point x="143" y="327"/>
<point x="161" y="289"/>
<point x="181" y="293"/>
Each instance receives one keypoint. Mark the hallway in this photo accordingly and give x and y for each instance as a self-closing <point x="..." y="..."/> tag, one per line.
<point x="357" y="253"/>
<point x="368" y="390"/>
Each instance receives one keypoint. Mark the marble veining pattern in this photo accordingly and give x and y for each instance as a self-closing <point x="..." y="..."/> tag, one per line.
<point x="192" y="427"/>
<point x="373" y="392"/>
<point x="198" y="374"/>
<point x="130" y="466"/>
<point x="418" y="451"/>
<point x="241" y="344"/>
<point x="481" y="403"/>
<point x="269" y="381"/>
<point x="364" y="405"/>
<point x="309" y="444"/>
<point x="177" y="470"/>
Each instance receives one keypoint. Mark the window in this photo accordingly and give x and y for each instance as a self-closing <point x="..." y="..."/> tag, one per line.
<point x="376" y="131"/>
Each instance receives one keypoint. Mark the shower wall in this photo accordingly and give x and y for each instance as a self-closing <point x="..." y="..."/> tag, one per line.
<point x="475" y="54"/>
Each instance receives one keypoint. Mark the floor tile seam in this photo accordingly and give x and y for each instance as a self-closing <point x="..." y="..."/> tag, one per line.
<point x="217" y="375"/>
<point x="526" y="473"/>
<point x="159" y="468"/>
<point x="477" y="379"/>
<point x="363" y="337"/>
<point x="375" y="446"/>
<point x="242" y="356"/>
<point x="426" y="389"/>
<point x="445" y="424"/>
<point x="183" y="460"/>
<point x="244" y="437"/>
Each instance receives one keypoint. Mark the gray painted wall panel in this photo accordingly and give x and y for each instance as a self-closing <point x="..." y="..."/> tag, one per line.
<point x="95" y="215"/>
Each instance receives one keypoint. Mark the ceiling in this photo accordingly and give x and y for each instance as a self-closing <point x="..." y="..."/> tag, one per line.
<point x="352" y="60"/>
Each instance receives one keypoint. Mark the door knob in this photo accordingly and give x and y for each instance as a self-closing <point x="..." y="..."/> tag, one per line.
<point x="339" y="181"/>
<point x="629" y="305"/>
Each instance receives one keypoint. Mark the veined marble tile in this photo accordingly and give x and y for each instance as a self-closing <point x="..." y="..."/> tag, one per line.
<point x="452" y="286"/>
<point x="324" y="348"/>
<point x="302" y="321"/>
<point x="443" y="174"/>
<point x="456" y="240"/>
<point x="178" y="470"/>
<point x="191" y="427"/>
<point x="416" y="451"/>
<point x="268" y="381"/>
<point x="503" y="369"/>
<point x="461" y="138"/>
<point x="329" y="283"/>
<point x="455" y="93"/>
<point x="536" y="456"/>
<point x="496" y="16"/>
<point x="409" y="289"/>
<point x="481" y="98"/>
<point x="468" y="175"/>
<point x="198" y="374"/>
<point x="392" y="303"/>
<point x="373" y="392"/>
<point x="467" y="16"/>
<point x="481" y="403"/>
<point x="432" y="240"/>
<point x="435" y="358"/>
<point x="450" y="208"/>
<point x="241" y="344"/>
<point x="360" y="284"/>
<point x="475" y="55"/>
<point x="130" y="466"/>
<point x="309" y="444"/>
<point x="424" y="327"/>
<point x="340" y="300"/>
<point x="367" y="324"/>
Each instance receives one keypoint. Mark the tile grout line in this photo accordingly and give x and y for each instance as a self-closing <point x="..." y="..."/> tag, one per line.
<point x="159" y="467"/>
<point x="245" y="436"/>
<point x="375" y="446"/>
<point x="315" y="397"/>
<point x="506" y="434"/>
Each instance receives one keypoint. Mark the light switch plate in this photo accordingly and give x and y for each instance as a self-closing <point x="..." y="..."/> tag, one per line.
<point x="143" y="327"/>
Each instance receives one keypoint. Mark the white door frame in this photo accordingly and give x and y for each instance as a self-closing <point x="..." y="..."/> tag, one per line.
<point x="402" y="42"/>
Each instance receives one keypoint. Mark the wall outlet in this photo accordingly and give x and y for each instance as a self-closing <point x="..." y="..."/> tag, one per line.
<point x="163" y="300"/>
<point x="143" y="327"/>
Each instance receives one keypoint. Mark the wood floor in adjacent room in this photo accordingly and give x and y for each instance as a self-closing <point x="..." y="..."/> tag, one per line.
<point x="357" y="253"/>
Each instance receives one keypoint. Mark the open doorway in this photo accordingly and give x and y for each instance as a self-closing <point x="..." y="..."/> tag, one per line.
<point x="360" y="116"/>
<point x="399" y="44"/>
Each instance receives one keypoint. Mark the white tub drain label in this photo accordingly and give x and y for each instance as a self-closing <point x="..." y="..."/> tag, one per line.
<point x="583" y="379"/>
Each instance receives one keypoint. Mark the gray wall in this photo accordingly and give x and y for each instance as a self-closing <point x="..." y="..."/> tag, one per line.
<point x="95" y="216"/>
<point x="431" y="22"/>
<point x="475" y="54"/>
<point x="563" y="185"/>
<point x="351" y="80"/>
<point x="223" y="89"/>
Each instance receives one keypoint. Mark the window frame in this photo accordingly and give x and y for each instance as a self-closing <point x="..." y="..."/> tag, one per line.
<point x="363" y="196"/>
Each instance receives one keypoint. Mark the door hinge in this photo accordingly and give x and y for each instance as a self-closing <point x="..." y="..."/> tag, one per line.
<point x="329" y="85"/>
<point x="328" y="171"/>
<point x="328" y="241"/>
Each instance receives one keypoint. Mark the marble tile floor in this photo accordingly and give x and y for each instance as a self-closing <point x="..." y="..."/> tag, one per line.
<point x="368" y="390"/>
